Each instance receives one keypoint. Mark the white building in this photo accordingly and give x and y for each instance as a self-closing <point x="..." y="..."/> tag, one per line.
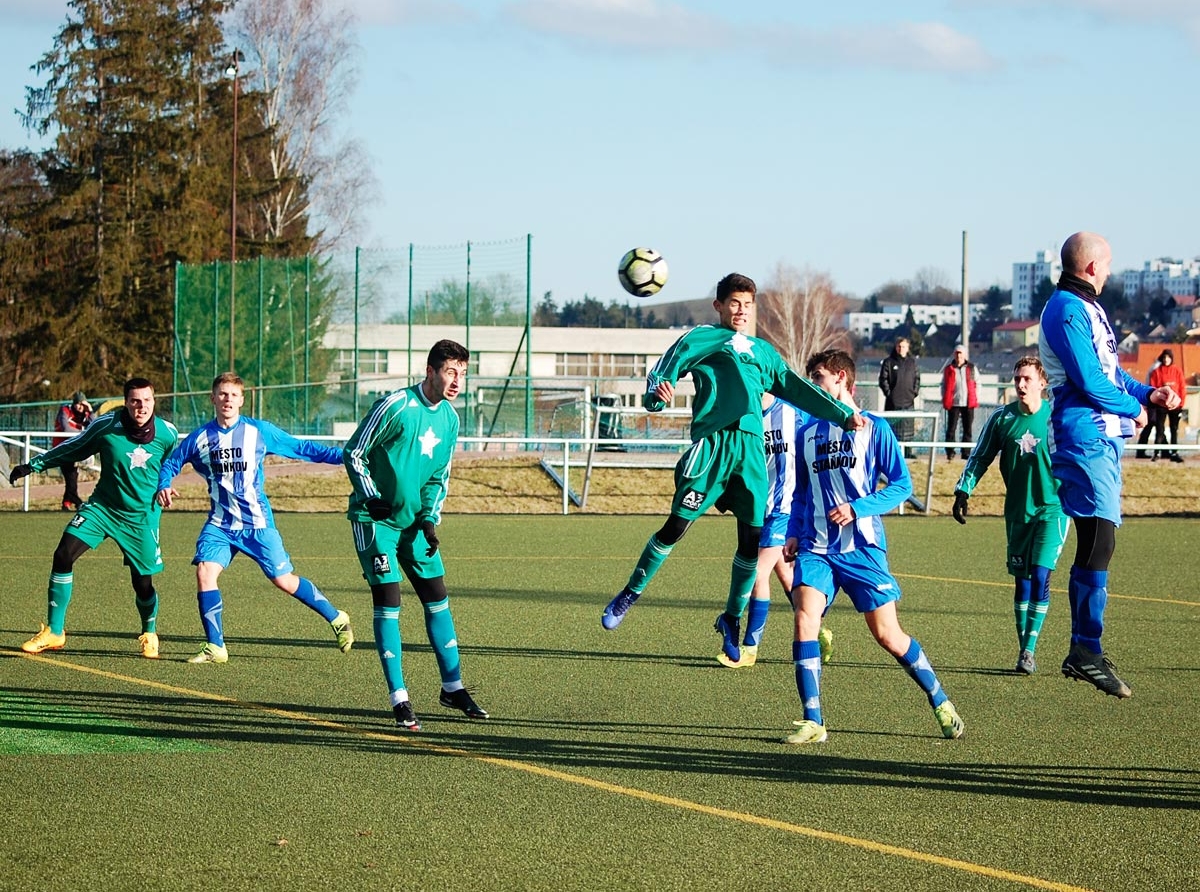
<point x="1026" y="279"/>
<point x="1180" y="278"/>
<point x="868" y="325"/>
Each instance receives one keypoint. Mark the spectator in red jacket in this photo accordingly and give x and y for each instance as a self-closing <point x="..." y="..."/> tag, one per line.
<point x="72" y="418"/>
<point x="1167" y="374"/>
<point x="958" y="397"/>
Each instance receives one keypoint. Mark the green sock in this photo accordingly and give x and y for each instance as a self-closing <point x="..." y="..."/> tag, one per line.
<point x="439" y="624"/>
<point x="58" y="596"/>
<point x="1033" y="627"/>
<point x="148" y="611"/>
<point x="741" y="584"/>
<point x="651" y="559"/>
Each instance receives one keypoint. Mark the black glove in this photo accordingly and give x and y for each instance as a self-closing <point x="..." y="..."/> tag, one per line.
<point x="430" y="531"/>
<point x="960" y="507"/>
<point x="378" y="508"/>
<point x="18" y="472"/>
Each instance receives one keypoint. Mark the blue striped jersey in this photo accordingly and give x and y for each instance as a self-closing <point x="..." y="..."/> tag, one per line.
<point x="835" y="467"/>
<point x="231" y="462"/>
<point x="781" y="422"/>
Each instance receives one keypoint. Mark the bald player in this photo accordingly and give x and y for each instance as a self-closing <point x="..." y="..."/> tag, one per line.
<point x="1097" y="406"/>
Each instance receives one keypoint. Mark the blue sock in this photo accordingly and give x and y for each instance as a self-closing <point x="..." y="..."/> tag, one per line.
<point x="916" y="664"/>
<point x="807" y="657"/>
<point x="311" y="597"/>
<point x="1088" y="591"/>
<point x="439" y="624"/>
<point x="211" y="607"/>
<point x="756" y="620"/>
<point x="386" y="623"/>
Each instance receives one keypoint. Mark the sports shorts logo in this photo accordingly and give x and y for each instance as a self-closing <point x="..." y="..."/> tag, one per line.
<point x="76" y="521"/>
<point x="692" y="500"/>
<point x="381" y="565"/>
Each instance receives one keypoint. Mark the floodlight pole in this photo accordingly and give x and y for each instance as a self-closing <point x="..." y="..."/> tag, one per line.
<point x="233" y="71"/>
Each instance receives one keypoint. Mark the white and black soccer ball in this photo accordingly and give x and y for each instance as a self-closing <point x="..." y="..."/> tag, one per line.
<point x="642" y="272"/>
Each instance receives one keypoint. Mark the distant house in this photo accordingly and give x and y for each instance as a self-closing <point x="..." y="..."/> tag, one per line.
<point x="1016" y="334"/>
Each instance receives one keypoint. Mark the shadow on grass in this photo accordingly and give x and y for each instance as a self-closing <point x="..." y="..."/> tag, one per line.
<point x="583" y="748"/>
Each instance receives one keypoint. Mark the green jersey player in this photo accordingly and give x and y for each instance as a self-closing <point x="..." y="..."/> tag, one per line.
<point x="131" y="443"/>
<point x="1033" y="517"/>
<point x="399" y="465"/>
<point x="724" y="466"/>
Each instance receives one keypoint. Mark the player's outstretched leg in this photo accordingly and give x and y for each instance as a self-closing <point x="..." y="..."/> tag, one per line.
<point x="211" y="608"/>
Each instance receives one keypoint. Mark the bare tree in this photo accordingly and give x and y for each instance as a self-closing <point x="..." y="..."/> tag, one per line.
<point x="799" y="313"/>
<point x="301" y="58"/>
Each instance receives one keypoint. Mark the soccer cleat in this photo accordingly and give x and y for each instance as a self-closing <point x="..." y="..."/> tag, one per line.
<point x="947" y="717"/>
<point x="749" y="657"/>
<point x="1026" y="664"/>
<point x="345" y="634"/>
<point x="462" y="700"/>
<point x="1096" y="669"/>
<point x="617" y="608"/>
<point x="405" y="717"/>
<point x="44" y="640"/>
<point x="149" y="643"/>
<point x="807" y="731"/>
<point x="731" y="633"/>
<point x="211" y="653"/>
<point x="825" y="642"/>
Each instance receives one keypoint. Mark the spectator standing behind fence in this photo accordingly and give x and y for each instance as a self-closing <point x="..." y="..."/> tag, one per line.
<point x="958" y="397"/>
<point x="1151" y="419"/>
<point x="1167" y="374"/>
<point x="72" y="418"/>
<point x="900" y="382"/>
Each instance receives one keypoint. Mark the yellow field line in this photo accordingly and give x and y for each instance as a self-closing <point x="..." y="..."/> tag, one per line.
<point x="1062" y="591"/>
<point x="580" y="780"/>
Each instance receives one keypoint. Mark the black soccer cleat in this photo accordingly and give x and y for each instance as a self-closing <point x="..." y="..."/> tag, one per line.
<point x="1096" y="669"/>
<point x="405" y="717"/>
<point x="462" y="700"/>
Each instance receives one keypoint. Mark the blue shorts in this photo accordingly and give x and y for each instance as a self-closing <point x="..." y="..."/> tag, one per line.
<point x="774" y="531"/>
<point x="1089" y="476"/>
<point x="265" y="548"/>
<point x="862" y="574"/>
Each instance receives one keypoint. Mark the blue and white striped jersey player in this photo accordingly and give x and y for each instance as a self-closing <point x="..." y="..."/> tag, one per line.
<point x="781" y="422"/>
<point x="398" y="461"/>
<point x="228" y="453"/>
<point x="837" y="539"/>
<point x="1097" y="405"/>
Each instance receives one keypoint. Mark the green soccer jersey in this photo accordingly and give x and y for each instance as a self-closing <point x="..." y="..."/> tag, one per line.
<point x="1019" y="439"/>
<point x="401" y="453"/>
<point x="731" y="371"/>
<point x="128" y="470"/>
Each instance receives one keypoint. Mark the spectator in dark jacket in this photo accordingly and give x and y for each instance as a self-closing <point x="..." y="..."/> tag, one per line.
<point x="958" y="397"/>
<point x="72" y="418"/>
<point x="900" y="382"/>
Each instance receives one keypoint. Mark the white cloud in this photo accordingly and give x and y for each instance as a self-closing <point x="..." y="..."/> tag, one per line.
<point x="407" y="12"/>
<point x="631" y="24"/>
<point x="906" y="46"/>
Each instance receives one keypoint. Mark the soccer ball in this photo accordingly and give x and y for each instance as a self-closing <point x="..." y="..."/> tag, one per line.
<point x="642" y="272"/>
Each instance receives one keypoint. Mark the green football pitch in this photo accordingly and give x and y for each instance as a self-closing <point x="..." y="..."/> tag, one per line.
<point x="625" y="760"/>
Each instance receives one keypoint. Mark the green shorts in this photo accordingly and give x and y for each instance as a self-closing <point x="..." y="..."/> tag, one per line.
<point x="1037" y="543"/>
<point x="726" y="469"/>
<point x="384" y="550"/>
<point x="94" y="523"/>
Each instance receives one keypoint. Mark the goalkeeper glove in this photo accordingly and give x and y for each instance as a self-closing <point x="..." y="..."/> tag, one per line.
<point x="430" y="531"/>
<point x="378" y="509"/>
<point x="18" y="472"/>
<point x="960" y="507"/>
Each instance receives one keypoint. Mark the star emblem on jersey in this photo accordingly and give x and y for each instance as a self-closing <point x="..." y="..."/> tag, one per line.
<point x="742" y="344"/>
<point x="428" y="440"/>
<point x="138" y="458"/>
<point x="1028" y="443"/>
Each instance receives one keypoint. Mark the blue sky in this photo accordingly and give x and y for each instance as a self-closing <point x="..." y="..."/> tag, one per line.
<point x="859" y="139"/>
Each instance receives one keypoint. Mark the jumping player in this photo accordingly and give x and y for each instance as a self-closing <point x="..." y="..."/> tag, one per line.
<point x="131" y="444"/>
<point x="837" y="539"/>
<point x="1033" y="519"/>
<point x="228" y="452"/>
<point x="724" y="465"/>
